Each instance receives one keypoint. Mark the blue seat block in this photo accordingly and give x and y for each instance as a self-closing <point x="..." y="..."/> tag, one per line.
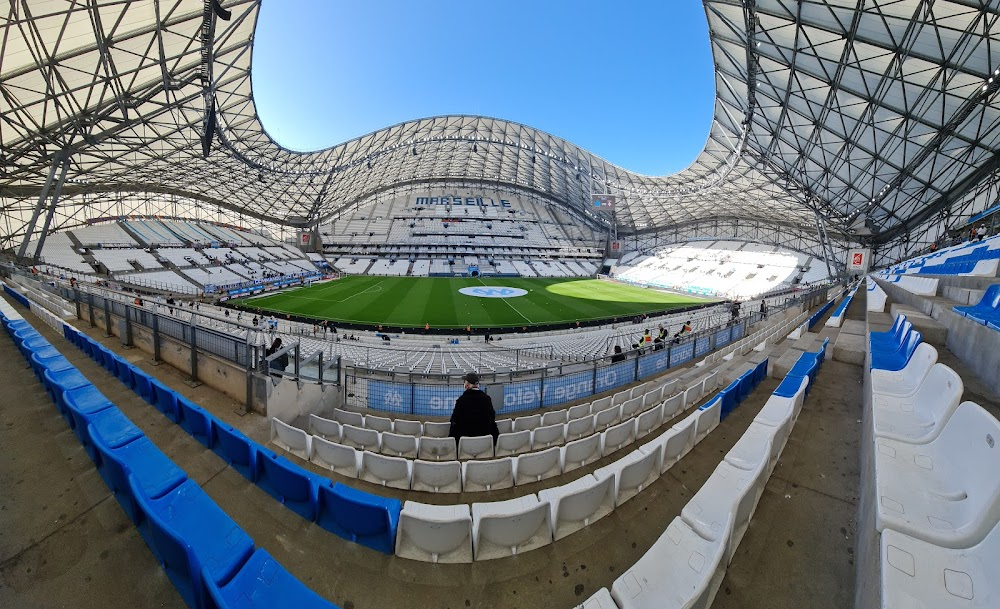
<point x="892" y="334"/>
<point x="107" y="359"/>
<point x="143" y="385"/>
<point x="123" y="370"/>
<point x="361" y="517"/>
<point x="40" y="363"/>
<point x="58" y="383"/>
<point x="730" y="399"/>
<point x="13" y="325"/>
<point x="194" y="540"/>
<point x="166" y="400"/>
<point x="88" y="345"/>
<point x="745" y="386"/>
<point x="154" y="473"/>
<point x="196" y="421"/>
<point x="897" y="360"/>
<point x="268" y="584"/>
<point x="237" y="450"/>
<point x="788" y="386"/>
<point x="760" y="372"/>
<point x="293" y="486"/>
<point x="111" y="424"/>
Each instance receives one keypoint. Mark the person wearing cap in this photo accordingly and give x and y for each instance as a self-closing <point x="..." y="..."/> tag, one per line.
<point x="473" y="414"/>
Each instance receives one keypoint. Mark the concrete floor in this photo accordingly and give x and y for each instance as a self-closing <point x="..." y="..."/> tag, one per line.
<point x="795" y="554"/>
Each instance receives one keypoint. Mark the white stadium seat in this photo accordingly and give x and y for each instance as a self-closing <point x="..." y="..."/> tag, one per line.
<point x="606" y="418"/>
<point x="475" y="447"/>
<point x="325" y="428"/>
<point x="407" y="428"/>
<point x="905" y="382"/>
<point x="437" y="449"/>
<point x="544" y="437"/>
<point x="346" y="417"/>
<point x="579" y="503"/>
<point x="919" y="418"/>
<point x="378" y="423"/>
<point x="632" y="473"/>
<point x="399" y="445"/>
<point x="648" y="421"/>
<point x="505" y="425"/>
<point x="618" y="436"/>
<point x="505" y="528"/>
<point x="385" y="470"/>
<point x="673" y="405"/>
<point x="581" y="452"/>
<point x="599" y="600"/>
<point x="488" y="475"/>
<point x="553" y="416"/>
<point x="709" y="417"/>
<point x="578" y="428"/>
<point x="436" y="429"/>
<point x="435" y="477"/>
<point x="342" y="459"/>
<point x="528" y="422"/>
<point x="362" y="439"/>
<point x="537" y="466"/>
<point x="292" y="439"/>
<point x="727" y="499"/>
<point x="435" y="533"/>
<point x="578" y="411"/>
<point x="513" y="443"/>
<point x="631" y="407"/>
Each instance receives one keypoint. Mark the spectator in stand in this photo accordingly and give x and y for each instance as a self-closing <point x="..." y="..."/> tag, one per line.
<point x="279" y="363"/>
<point x="763" y="308"/>
<point x="618" y="356"/>
<point x="473" y="414"/>
<point x="981" y="232"/>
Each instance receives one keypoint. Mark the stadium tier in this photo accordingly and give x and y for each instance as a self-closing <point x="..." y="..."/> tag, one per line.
<point x="768" y="380"/>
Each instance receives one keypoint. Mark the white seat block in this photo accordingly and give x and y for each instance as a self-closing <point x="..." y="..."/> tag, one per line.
<point x="601" y="404"/>
<point x="435" y="533"/>
<point x="945" y="492"/>
<point x="437" y="449"/>
<point x="437" y="429"/>
<point x="362" y="439"/>
<point x="505" y="528"/>
<point x="581" y="452"/>
<point x="919" y="418"/>
<point x="551" y="435"/>
<point x="709" y="417"/>
<point x="648" y="421"/>
<point x="632" y="473"/>
<point x="407" y="428"/>
<point x="618" y="436"/>
<point x="579" y="503"/>
<point x="599" y="600"/>
<point x="346" y="417"/>
<point x="344" y="460"/>
<point x="385" y="470"/>
<point x="904" y="383"/>
<point x="726" y="500"/>
<point x="513" y="443"/>
<point x="399" y="445"/>
<point x="681" y="571"/>
<point x="668" y="389"/>
<point x="680" y="443"/>
<point x="693" y="394"/>
<point x="637" y="391"/>
<point x="607" y="418"/>
<point x="711" y="382"/>
<point x="918" y="574"/>
<point x="578" y="428"/>
<point x="753" y="448"/>
<point x="651" y="399"/>
<point x="631" y="407"/>
<point x="475" y="447"/>
<point x="325" y="428"/>
<point x="378" y="423"/>
<point x="292" y="439"/>
<point x="620" y="398"/>
<point x="487" y="475"/>
<point x="436" y="477"/>
<point x="537" y="466"/>
<point x="553" y="416"/>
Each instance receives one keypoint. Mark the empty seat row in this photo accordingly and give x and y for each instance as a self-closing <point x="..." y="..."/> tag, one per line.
<point x="210" y="560"/>
<point x="934" y="460"/>
<point x="837" y="317"/>
<point x="352" y="514"/>
<point x="876" y="297"/>
<point x="686" y="565"/>
<point x="987" y="310"/>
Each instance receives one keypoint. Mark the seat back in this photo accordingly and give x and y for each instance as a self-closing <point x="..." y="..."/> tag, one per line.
<point x="237" y="450"/>
<point x="325" y="428"/>
<point x="618" y="436"/>
<point x="543" y="437"/>
<point x="385" y="470"/>
<point x="673" y="405"/>
<point x="606" y="418"/>
<point x="513" y="443"/>
<point x="577" y="428"/>
<point x="292" y="439"/>
<point x="358" y="437"/>
<point x="648" y="421"/>
<point x="528" y="422"/>
<point x="293" y="486"/>
<point x="991" y="298"/>
<point x="582" y="503"/>
<point x="553" y="417"/>
<point x="409" y="428"/>
<point x="502" y="534"/>
<point x="378" y="423"/>
<point x="399" y="445"/>
<point x="537" y="466"/>
<point x="359" y="516"/>
<point x="693" y="393"/>
<point x="939" y="393"/>
<point x="631" y="407"/>
<point x="581" y="452"/>
<point x="346" y="417"/>
<point x="436" y="429"/>
<point x="680" y="441"/>
<point x="578" y="411"/>
<point x="488" y="475"/>
<point x="337" y="457"/>
<point x="196" y="421"/>
<point x="636" y="475"/>
<point x="970" y="438"/>
<point x="475" y="447"/>
<point x="600" y="404"/>
<point x="442" y="533"/>
<point x="443" y="477"/>
<point x="437" y="449"/>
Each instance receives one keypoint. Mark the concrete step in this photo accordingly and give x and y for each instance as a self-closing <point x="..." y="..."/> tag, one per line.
<point x="850" y="348"/>
<point x="932" y="330"/>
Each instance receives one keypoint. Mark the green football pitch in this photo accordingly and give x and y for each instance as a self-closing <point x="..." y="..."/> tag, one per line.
<point x="411" y="302"/>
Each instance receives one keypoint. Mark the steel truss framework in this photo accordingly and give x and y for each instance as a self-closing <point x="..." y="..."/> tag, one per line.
<point x="878" y="115"/>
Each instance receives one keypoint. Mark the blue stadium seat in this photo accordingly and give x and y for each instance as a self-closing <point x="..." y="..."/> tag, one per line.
<point x="268" y="584"/>
<point x="744" y="385"/>
<point x="361" y="517"/>
<point x="166" y="400"/>
<point x="293" y="486"/>
<point x="195" y="420"/>
<point x="788" y="386"/>
<point x="884" y="344"/>
<point x="110" y="423"/>
<point x="730" y="397"/>
<point x="892" y="334"/>
<point x="123" y="370"/>
<point x="43" y="360"/>
<point x="80" y="403"/>
<point x="29" y="343"/>
<point x="237" y="450"/>
<point x="194" y="540"/>
<point x="142" y="384"/>
<point x="155" y="474"/>
<point x="760" y="372"/>
<point x="57" y="383"/>
<point x="107" y="359"/>
<point x="897" y="360"/>
<point x="986" y="310"/>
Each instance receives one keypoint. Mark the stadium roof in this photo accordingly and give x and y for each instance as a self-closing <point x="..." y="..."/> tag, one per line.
<point x="846" y="109"/>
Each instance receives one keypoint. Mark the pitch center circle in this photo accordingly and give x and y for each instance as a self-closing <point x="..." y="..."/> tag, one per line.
<point x="493" y="291"/>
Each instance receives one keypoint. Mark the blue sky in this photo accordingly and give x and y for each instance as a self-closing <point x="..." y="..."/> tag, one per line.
<point x="629" y="81"/>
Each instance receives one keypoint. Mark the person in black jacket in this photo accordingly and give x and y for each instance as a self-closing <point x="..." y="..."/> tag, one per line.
<point x="473" y="414"/>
